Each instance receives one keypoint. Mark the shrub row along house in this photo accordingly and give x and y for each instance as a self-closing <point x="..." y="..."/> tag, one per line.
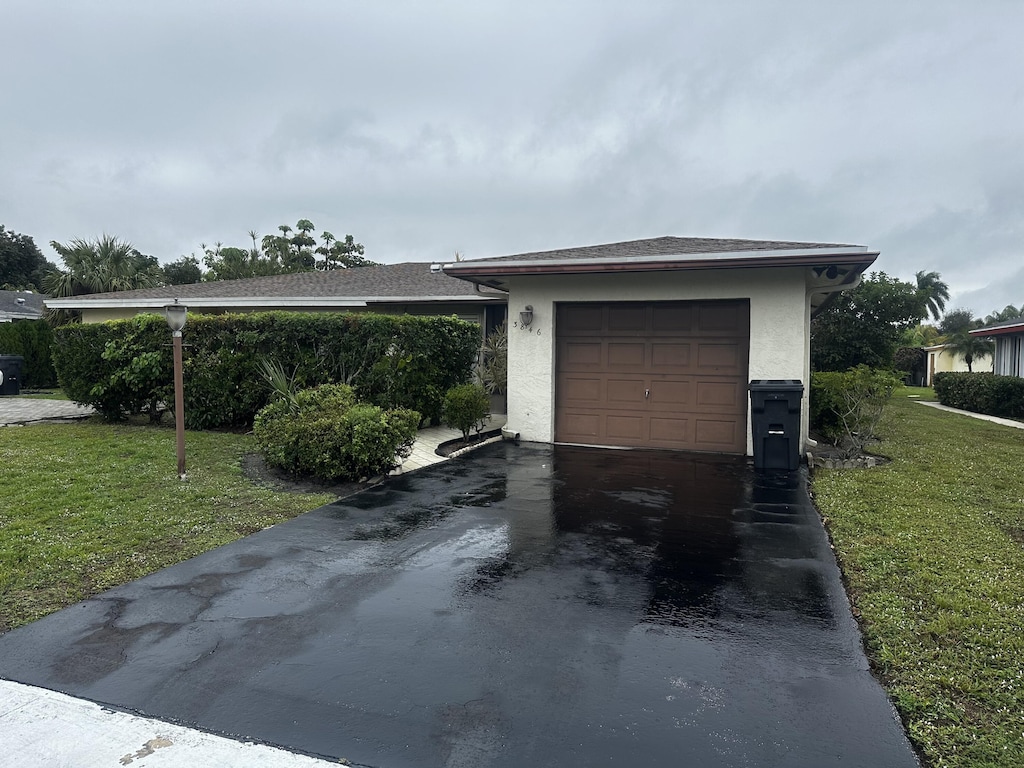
<point x="647" y="343"/>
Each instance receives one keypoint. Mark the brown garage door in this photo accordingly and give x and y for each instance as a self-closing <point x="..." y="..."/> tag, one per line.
<point x="653" y="374"/>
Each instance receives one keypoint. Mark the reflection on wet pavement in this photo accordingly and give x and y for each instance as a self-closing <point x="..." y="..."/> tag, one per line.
<point x="538" y="605"/>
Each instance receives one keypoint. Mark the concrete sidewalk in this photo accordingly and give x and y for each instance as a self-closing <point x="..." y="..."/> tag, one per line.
<point x="982" y="416"/>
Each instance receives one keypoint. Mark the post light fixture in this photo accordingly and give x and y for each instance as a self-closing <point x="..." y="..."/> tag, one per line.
<point x="526" y="316"/>
<point x="176" y="315"/>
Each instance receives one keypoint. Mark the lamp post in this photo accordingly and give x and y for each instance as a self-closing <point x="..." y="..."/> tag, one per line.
<point x="176" y="315"/>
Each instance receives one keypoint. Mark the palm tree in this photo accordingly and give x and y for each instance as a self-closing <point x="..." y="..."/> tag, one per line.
<point x="970" y="347"/>
<point x="100" y="266"/>
<point x="1009" y="312"/>
<point x="933" y="293"/>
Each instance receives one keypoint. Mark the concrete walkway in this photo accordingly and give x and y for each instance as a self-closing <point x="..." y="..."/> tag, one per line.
<point x="982" y="416"/>
<point x="40" y="728"/>
<point x="25" y="410"/>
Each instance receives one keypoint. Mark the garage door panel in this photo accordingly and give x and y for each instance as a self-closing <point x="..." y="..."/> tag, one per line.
<point x="584" y="426"/>
<point x="674" y="319"/>
<point x="715" y="435"/>
<point x="627" y="318"/>
<point x="670" y="395"/>
<point x="624" y="429"/>
<point x="625" y="393"/>
<point x="666" y="433"/>
<point x="667" y="357"/>
<point x="657" y="374"/>
<point x="722" y="317"/>
<point x="719" y="394"/>
<point x="581" y="319"/>
<point x="585" y="390"/>
<point x="724" y="358"/>
<point x="578" y="354"/>
<point x="631" y="355"/>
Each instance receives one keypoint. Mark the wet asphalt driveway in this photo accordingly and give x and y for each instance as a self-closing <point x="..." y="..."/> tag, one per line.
<point x="518" y="606"/>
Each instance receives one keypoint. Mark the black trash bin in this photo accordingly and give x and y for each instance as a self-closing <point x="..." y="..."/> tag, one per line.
<point x="775" y="406"/>
<point x="10" y="374"/>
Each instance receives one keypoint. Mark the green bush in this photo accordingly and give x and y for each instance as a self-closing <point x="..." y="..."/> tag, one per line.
<point x="466" y="406"/>
<point x="846" y="407"/>
<point x="985" y="393"/>
<point x="32" y="340"/>
<point x="121" y="368"/>
<point x="390" y="361"/>
<point x="325" y="433"/>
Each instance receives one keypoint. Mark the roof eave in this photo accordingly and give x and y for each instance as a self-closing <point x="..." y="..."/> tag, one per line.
<point x="480" y="271"/>
<point x="1006" y="329"/>
<point x="274" y="302"/>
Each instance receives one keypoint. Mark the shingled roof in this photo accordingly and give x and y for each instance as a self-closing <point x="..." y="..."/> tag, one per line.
<point x="661" y="246"/>
<point x="20" y="305"/>
<point x="665" y="254"/>
<point x="409" y="281"/>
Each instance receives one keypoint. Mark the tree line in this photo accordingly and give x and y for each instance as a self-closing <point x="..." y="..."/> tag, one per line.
<point x="108" y="263"/>
<point x="883" y="323"/>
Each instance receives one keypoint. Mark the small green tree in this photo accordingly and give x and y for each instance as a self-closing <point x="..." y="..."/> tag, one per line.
<point x="969" y="347"/>
<point x="466" y="407"/>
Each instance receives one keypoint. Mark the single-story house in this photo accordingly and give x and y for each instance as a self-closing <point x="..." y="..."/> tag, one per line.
<point x="20" y="305"/>
<point x="407" y="288"/>
<point x="652" y="343"/>
<point x="1009" y="338"/>
<point x="647" y="343"/>
<point x="941" y="360"/>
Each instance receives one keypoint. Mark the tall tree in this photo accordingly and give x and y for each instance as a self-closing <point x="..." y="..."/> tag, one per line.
<point x="958" y="321"/>
<point x="865" y="325"/>
<point x="22" y="265"/>
<point x="1009" y="312"/>
<point x="933" y="292"/>
<point x="100" y="266"/>
<point x="229" y="263"/>
<point x="184" y="271"/>
<point x="341" y="254"/>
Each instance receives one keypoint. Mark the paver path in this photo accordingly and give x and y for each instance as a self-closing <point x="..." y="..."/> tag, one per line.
<point x="23" y="410"/>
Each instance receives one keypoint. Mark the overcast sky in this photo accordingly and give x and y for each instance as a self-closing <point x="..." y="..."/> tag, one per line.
<point x="492" y="128"/>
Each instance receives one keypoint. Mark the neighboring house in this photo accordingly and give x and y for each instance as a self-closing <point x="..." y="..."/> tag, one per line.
<point x="1009" y="339"/>
<point x="409" y="288"/>
<point x="941" y="360"/>
<point x="652" y="343"/>
<point x="20" y="305"/>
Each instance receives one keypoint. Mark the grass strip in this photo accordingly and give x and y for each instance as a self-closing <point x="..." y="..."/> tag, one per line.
<point x="931" y="548"/>
<point x="88" y="506"/>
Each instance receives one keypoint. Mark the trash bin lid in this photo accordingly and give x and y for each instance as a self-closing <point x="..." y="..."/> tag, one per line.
<point x="776" y="385"/>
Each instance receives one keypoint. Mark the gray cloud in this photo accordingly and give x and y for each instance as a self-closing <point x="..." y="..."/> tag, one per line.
<point x="498" y="127"/>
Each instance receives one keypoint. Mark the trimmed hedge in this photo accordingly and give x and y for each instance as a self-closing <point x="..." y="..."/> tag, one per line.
<point x="324" y="432"/>
<point x="32" y="340"/>
<point x="394" y="361"/>
<point x="985" y="393"/>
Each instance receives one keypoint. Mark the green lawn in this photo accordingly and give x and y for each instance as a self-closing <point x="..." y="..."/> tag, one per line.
<point x="931" y="547"/>
<point x="88" y="506"/>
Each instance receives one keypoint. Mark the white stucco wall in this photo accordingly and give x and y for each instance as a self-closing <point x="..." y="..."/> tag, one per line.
<point x="778" y="329"/>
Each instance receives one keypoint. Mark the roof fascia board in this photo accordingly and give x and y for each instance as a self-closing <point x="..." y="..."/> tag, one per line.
<point x="285" y="302"/>
<point x="999" y="331"/>
<point x="730" y="260"/>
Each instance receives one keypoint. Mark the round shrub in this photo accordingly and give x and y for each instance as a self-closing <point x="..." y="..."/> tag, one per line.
<point x="465" y="408"/>
<point x="326" y="434"/>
